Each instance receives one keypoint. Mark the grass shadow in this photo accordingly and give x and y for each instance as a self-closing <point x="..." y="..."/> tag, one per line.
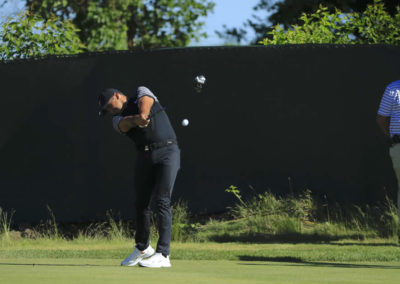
<point x="366" y="244"/>
<point x="282" y="238"/>
<point x="272" y="259"/>
<point x="299" y="261"/>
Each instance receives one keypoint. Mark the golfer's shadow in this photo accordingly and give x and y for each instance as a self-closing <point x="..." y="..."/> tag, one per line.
<point x="295" y="261"/>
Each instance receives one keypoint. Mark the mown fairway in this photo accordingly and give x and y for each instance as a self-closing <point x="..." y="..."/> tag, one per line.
<point x="86" y="271"/>
<point x="60" y="261"/>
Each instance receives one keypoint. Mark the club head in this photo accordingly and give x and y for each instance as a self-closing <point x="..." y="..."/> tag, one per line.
<point x="199" y="83"/>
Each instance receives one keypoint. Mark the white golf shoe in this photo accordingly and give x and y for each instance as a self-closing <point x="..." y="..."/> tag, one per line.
<point x="157" y="260"/>
<point x="137" y="255"/>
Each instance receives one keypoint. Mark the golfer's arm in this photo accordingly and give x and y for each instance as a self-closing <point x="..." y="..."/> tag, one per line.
<point x="383" y="123"/>
<point x="126" y="124"/>
<point x="144" y="104"/>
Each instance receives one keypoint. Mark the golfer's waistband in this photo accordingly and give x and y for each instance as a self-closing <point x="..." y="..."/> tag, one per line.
<point x="157" y="145"/>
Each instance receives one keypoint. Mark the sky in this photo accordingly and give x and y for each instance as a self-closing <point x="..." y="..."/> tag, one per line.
<point x="232" y="13"/>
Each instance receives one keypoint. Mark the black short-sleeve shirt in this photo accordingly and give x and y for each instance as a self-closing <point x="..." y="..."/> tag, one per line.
<point x="159" y="128"/>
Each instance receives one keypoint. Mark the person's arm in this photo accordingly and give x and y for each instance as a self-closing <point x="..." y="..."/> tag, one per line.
<point x="383" y="123"/>
<point x="144" y="104"/>
<point x="128" y="122"/>
<point x="386" y="108"/>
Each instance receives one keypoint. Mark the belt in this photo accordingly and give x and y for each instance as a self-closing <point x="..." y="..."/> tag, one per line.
<point x="157" y="145"/>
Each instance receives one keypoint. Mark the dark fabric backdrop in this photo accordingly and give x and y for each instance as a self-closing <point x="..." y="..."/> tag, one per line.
<point x="267" y="114"/>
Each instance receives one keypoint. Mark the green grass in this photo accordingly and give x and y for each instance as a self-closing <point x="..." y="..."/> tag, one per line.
<point x="300" y="217"/>
<point x="96" y="260"/>
<point x="264" y="240"/>
<point x="262" y="218"/>
<point x="286" y="229"/>
<point x="343" y="251"/>
<point x="43" y="271"/>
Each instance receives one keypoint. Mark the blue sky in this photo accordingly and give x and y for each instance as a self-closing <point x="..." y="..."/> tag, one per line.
<point x="10" y="8"/>
<point x="232" y="13"/>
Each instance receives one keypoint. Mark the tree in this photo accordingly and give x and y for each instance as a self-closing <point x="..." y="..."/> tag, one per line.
<point x="374" y="25"/>
<point x="288" y="13"/>
<point x="28" y="36"/>
<point x="126" y="24"/>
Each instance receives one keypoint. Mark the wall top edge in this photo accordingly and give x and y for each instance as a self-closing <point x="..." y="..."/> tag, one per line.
<point x="194" y="49"/>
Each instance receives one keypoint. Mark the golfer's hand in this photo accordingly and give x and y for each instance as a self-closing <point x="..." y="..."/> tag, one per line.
<point x="141" y="120"/>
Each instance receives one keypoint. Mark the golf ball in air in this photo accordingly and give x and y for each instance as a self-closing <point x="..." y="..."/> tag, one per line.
<point x="185" y="122"/>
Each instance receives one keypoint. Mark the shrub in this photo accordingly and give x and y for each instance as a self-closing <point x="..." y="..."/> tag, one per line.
<point x="373" y="26"/>
<point x="182" y="229"/>
<point x="5" y="223"/>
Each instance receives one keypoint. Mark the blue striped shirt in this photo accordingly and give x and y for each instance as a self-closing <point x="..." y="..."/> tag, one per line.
<point x="390" y="106"/>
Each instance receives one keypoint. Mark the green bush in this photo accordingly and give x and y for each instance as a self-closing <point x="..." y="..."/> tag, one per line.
<point x="389" y="220"/>
<point x="266" y="215"/>
<point x="116" y="228"/>
<point x="284" y="225"/>
<point x="5" y="223"/>
<point x="267" y="204"/>
<point x="300" y="207"/>
<point x="182" y="229"/>
<point x="28" y="36"/>
<point x="373" y="26"/>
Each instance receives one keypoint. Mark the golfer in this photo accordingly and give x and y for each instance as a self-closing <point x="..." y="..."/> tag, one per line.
<point x="388" y="120"/>
<point x="142" y="119"/>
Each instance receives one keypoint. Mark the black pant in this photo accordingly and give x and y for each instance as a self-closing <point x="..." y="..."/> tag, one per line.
<point x="154" y="181"/>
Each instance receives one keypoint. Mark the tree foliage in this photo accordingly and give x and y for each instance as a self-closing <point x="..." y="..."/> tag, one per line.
<point x="288" y="13"/>
<point x="372" y="26"/>
<point x="28" y="36"/>
<point x="126" y="24"/>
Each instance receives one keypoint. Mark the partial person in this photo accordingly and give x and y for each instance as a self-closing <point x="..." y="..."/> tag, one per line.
<point x="388" y="120"/>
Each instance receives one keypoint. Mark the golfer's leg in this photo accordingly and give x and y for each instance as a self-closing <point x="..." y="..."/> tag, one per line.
<point x="397" y="171"/>
<point x="165" y="179"/>
<point x="395" y="155"/>
<point x="144" y="182"/>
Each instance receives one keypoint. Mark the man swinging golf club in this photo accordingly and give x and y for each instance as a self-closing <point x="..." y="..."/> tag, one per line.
<point x="142" y="119"/>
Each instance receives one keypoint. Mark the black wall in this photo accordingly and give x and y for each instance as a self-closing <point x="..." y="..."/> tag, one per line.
<point x="267" y="113"/>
